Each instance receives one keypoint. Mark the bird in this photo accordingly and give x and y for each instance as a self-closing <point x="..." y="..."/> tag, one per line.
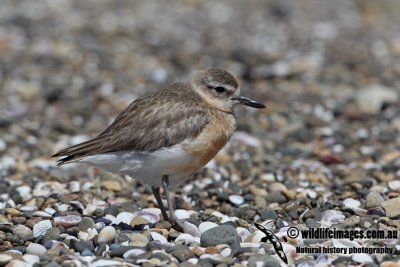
<point x="164" y="138"/>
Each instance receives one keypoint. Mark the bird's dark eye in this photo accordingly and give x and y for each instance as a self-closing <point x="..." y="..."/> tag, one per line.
<point x="220" y="89"/>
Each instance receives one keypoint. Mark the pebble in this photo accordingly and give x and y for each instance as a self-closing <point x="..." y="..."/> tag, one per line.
<point x="80" y="246"/>
<point x="51" y="234"/>
<point x="351" y="203"/>
<point x="371" y="98"/>
<point x="68" y="221"/>
<point x="23" y="232"/>
<point x="373" y="199"/>
<point x="181" y="253"/>
<point x="139" y="240"/>
<point x="222" y="234"/>
<point x="36" y="249"/>
<point x="85" y="224"/>
<point x="391" y="207"/>
<point x="276" y="197"/>
<point x="112" y="185"/>
<point x="4" y="258"/>
<point x="107" y="234"/>
<point x="263" y="260"/>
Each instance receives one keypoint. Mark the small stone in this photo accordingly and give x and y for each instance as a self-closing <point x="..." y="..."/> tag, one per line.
<point x="112" y="185"/>
<point x="391" y="207"/>
<point x="267" y="214"/>
<point x="139" y="240"/>
<point x="80" y="246"/>
<point x="107" y="235"/>
<point x="18" y="220"/>
<point x="85" y="224"/>
<point x="51" y="234"/>
<point x="13" y="212"/>
<point x="351" y="203"/>
<point x="139" y="220"/>
<point x="223" y="234"/>
<point x="23" y="232"/>
<point x="36" y="249"/>
<point x="276" y="197"/>
<point x="163" y="225"/>
<point x="68" y="221"/>
<point x="204" y="226"/>
<point x="182" y="253"/>
<point x="373" y="199"/>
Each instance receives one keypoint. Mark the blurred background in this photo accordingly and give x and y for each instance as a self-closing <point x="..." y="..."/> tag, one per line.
<point x="328" y="72"/>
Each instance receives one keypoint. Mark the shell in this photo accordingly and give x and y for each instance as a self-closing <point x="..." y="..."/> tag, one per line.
<point x="236" y="199"/>
<point x="107" y="234"/>
<point x="158" y="237"/>
<point x="41" y="227"/>
<point x="204" y="226"/>
<point x="181" y="214"/>
<point x="31" y="258"/>
<point x="132" y="253"/>
<point x="191" y="229"/>
<point x="124" y="217"/>
<point x="186" y="239"/>
<point x="42" y="214"/>
<point x="68" y="221"/>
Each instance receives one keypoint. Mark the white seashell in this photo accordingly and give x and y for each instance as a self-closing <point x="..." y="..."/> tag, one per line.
<point x="226" y="252"/>
<point x="88" y="235"/>
<point x="215" y="257"/>
<point x="181" y="214"/>
<point x="106" y="263"/>
<point x="204" y="226"/>
<point x="28" y="208"/>
<point x="362" y="258"/>
<point x="50" y="211"/>
<point x="133" y="253"/>
<point x="107" y="234"/>
<point x="236" y="199"/>
<point x="124" y="217"/>
<point x="63" y="207"/>
<point x="24" y="191"/>
<point x="90" y="208"/>
<point x="74" y="186"/>
<point x="330" y="217"/>
<point x="255" y="237"/>
<point x="394" y="185"/>
<point x="243" y="233"/>
<point x="22" y="232"/>
<point x="158" y="237"/>
<point x="40" y="213"/>
<point x="4" y="258"/>
<point x="41" y="227"/>
<point x="35" y="249"/>
<point x="311" y="194"/>
<point x="111" y="218"/>
<point x="31" y="258"/>
<point x="68" y="221"/>
<point x="351" y="203"/>
<point x="99" y="226"/>
<point x="249" y="245"/>
<point x="186" y="239"/>
<point x="59" y="244"/>
<point x="151" y="215"/>
<point x="191" y="229"/>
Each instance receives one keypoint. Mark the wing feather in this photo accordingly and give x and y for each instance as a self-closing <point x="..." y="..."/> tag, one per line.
<point x="159" y="120"/>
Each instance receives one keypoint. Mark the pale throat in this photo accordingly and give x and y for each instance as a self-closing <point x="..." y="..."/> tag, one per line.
<point x="213" y="101"/>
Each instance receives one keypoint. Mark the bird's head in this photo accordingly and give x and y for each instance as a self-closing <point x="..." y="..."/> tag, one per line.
<point x="221" y="90"/>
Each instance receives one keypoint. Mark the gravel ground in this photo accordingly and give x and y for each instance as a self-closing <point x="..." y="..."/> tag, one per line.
<point x="325" y="152"/>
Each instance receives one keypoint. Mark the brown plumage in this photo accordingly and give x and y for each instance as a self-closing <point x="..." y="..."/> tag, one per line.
<point x="162" y="119"/>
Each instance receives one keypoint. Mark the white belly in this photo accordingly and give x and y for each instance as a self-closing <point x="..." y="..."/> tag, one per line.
<point x="147" y="167"/>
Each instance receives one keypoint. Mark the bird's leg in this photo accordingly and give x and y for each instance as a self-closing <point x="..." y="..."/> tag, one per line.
<point x="156" y="193"/>
<point x="165" y="183"/>
<point x="176" y="224"/>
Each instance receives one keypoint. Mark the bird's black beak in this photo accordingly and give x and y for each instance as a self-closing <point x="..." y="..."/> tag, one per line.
<point x="248" y="102"/>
